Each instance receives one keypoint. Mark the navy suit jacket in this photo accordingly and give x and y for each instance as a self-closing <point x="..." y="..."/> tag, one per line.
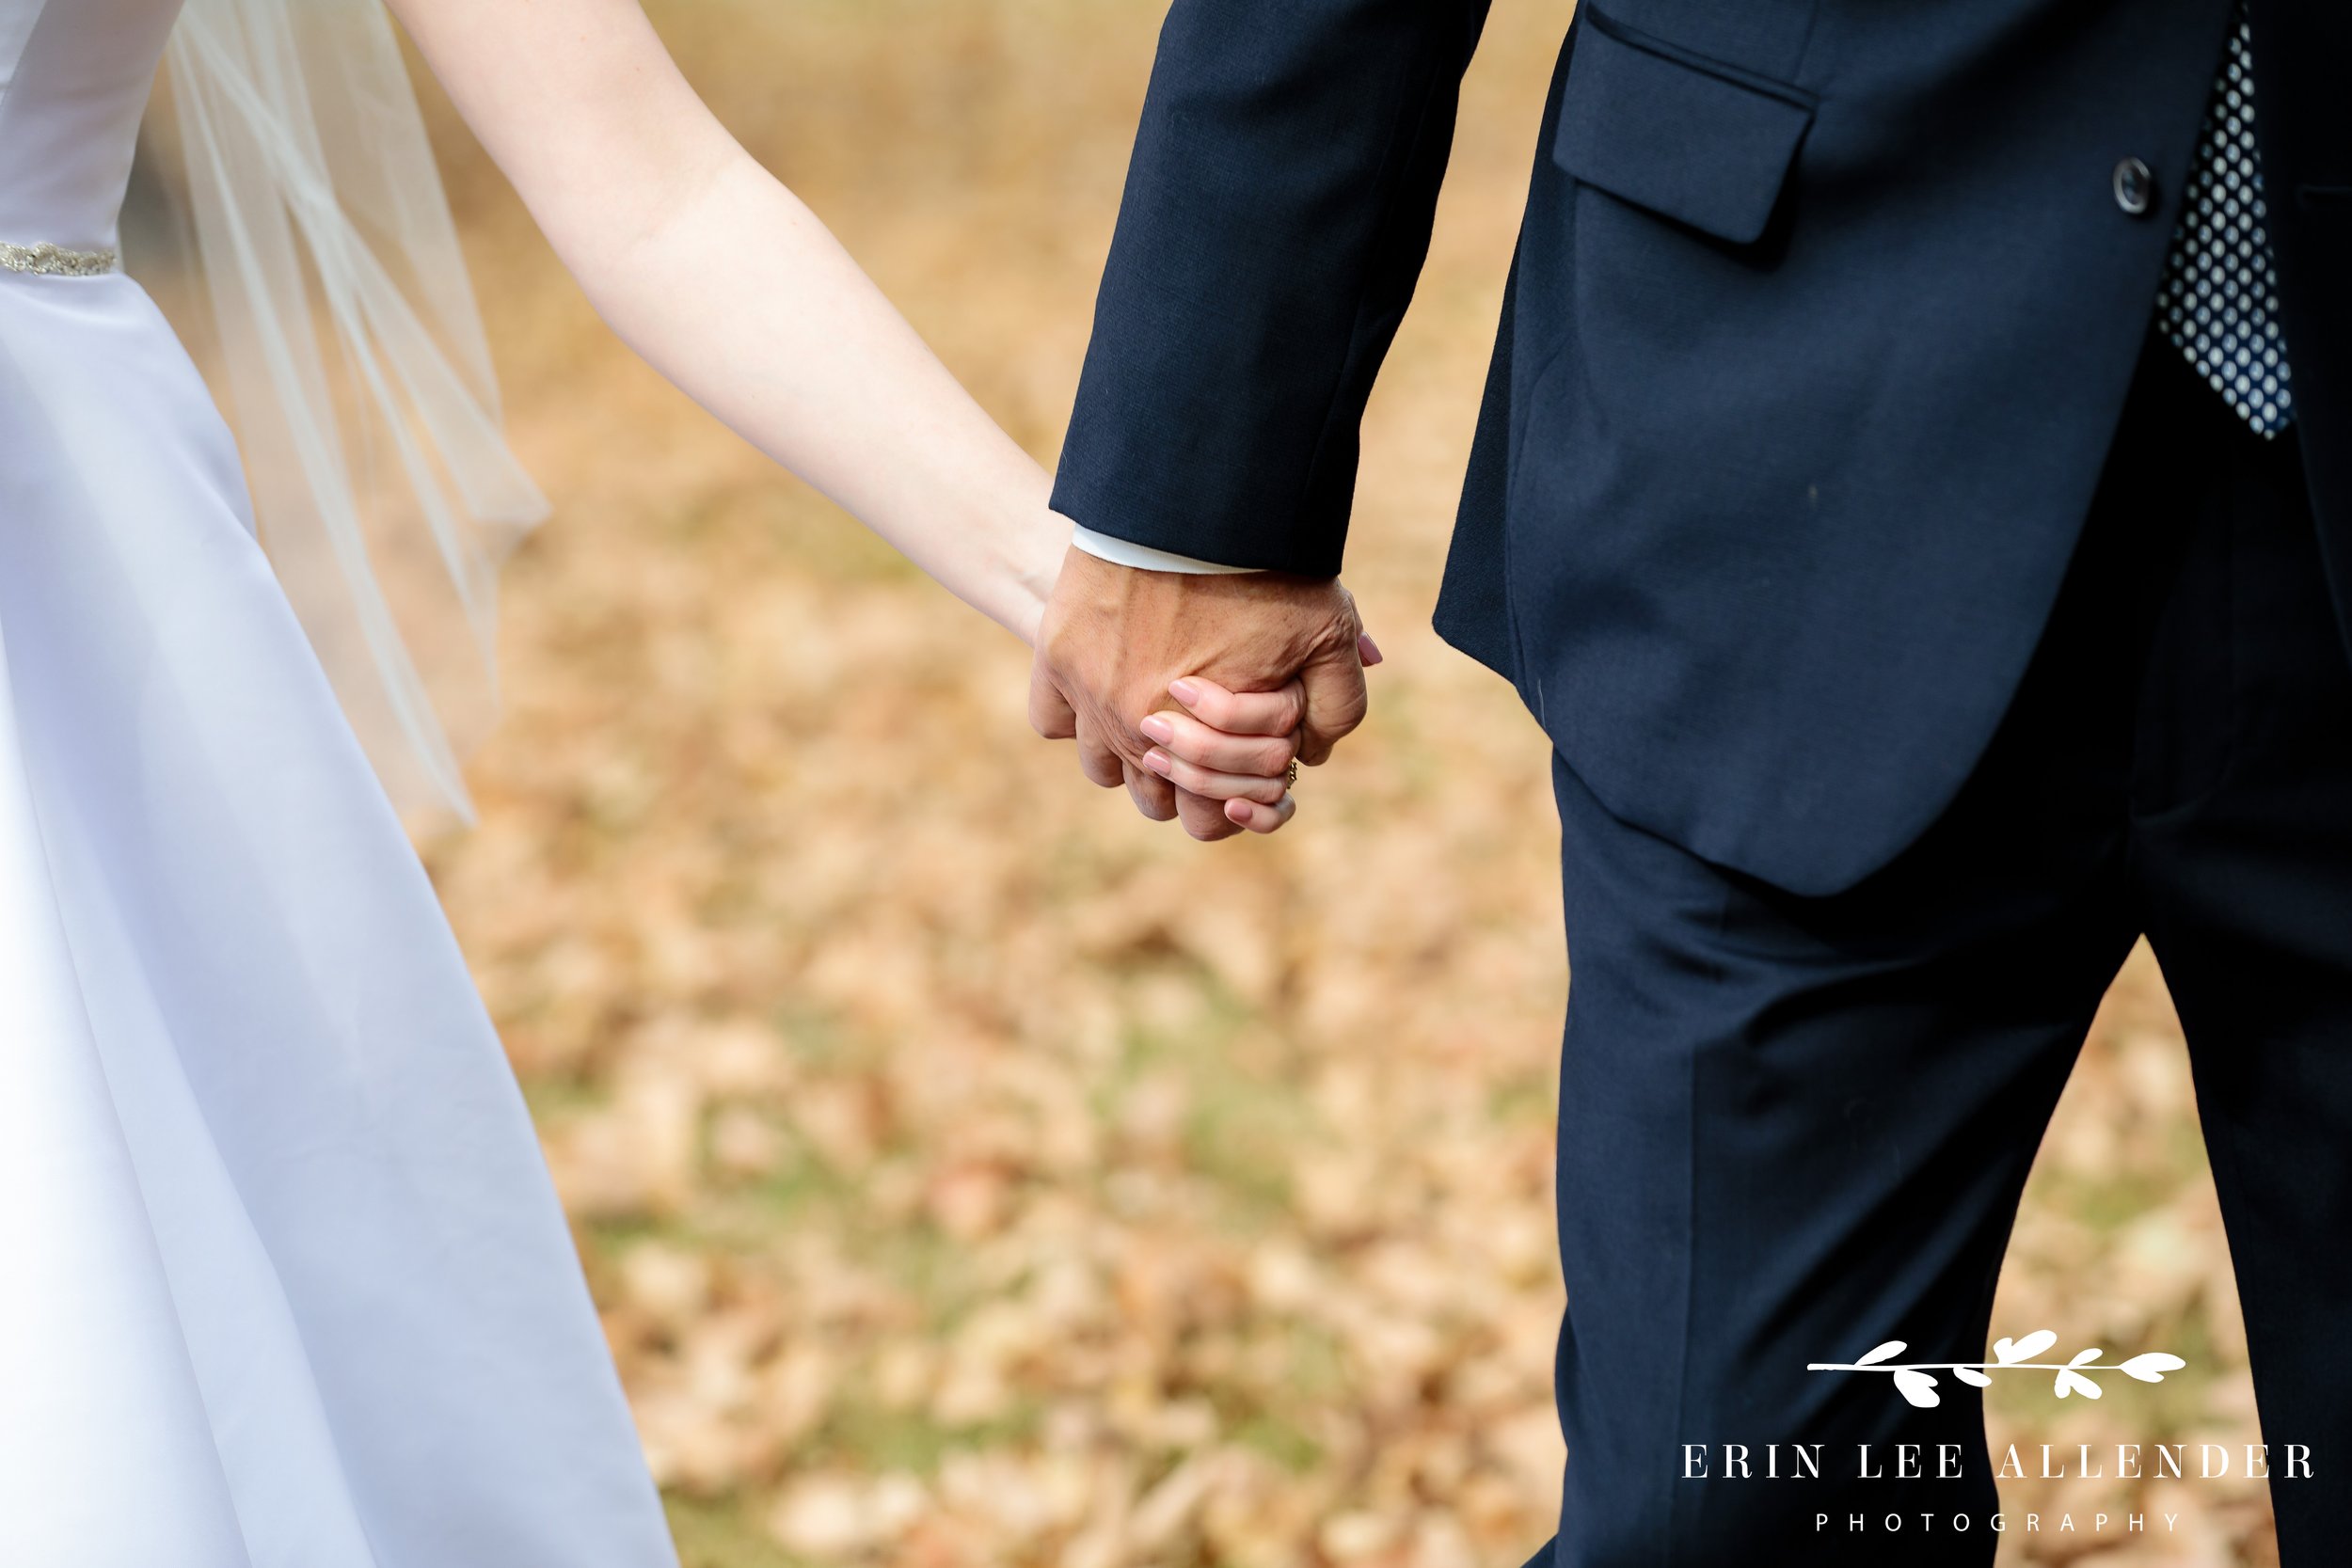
<point x="1820" y="323"/>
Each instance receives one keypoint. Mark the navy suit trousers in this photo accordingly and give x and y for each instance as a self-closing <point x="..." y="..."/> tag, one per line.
<point x="1794" y="1126"/>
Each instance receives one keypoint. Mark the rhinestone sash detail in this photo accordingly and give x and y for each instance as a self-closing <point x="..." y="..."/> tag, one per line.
<point x="51" y="260"/>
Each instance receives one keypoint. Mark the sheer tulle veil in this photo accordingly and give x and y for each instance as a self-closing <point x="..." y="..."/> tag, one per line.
<point x="351" y="355"/>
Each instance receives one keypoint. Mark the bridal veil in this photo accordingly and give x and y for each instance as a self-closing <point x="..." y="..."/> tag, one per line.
<point x="352" y="356"/>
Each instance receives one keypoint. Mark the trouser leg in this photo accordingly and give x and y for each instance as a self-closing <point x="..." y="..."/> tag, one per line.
<point x="1792" y="1129"/>
<point x="1789" y="1135"/>
<point x="2243" y="858"/>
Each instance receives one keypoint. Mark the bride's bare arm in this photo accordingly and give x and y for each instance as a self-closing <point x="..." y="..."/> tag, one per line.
<point x="728" y="285"/>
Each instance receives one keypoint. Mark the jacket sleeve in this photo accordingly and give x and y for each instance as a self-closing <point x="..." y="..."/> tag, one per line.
<point x="1277" y="213"/>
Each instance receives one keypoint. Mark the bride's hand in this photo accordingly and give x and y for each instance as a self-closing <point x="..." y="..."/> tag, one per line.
<point x="1238" y="747"/>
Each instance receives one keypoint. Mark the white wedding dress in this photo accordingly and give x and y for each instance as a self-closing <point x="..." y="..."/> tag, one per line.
<point x="282" y="1278"/>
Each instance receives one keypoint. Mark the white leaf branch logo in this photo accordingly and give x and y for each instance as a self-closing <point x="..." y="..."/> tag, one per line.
<point x="1916" y="1382"/>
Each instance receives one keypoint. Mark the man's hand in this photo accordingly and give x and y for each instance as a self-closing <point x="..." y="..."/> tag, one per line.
<point x="1115" y="636"/>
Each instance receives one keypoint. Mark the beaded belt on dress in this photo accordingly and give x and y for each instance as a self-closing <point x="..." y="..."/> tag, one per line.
<point x="52" y="261"/>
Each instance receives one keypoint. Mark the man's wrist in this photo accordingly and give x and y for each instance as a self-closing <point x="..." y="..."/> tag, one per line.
<point x="1124" y="552"/>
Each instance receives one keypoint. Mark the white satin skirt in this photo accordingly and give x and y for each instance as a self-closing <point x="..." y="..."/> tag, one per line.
<point x="283" y="1282"/>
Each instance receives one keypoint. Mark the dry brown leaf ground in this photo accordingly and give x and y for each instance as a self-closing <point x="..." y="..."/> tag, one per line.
<point x="970" y="1173"/>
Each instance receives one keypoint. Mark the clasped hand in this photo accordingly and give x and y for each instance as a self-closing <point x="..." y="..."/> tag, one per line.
<point x="1197" y="692"/>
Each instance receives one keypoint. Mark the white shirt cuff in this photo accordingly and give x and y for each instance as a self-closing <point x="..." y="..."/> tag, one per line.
<point x="1119" y="552"/>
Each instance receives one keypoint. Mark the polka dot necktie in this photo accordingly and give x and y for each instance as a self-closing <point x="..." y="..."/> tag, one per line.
<point x="2220" y="299"/>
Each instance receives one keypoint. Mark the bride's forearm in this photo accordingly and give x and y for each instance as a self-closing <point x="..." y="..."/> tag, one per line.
<point x="745" y="300"/>
<point x="723" y="280"/>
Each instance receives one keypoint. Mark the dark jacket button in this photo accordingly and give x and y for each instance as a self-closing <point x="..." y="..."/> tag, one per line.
<point x="2134" y="187"/>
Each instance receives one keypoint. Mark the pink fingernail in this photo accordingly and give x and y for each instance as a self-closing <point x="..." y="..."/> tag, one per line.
<point x="1158" y="728"/>
<point x="1368" y="651"/>
<point x="1158" y="762"/>
<point x="1185" y="692"/>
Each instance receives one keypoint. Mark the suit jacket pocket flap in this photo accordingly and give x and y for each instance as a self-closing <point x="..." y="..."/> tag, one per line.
<point x="1682" y="137"/>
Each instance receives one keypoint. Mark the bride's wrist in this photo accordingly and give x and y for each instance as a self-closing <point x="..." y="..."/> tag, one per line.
<point x="1033" y="540"/>
<point x="1020" y="558"/>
